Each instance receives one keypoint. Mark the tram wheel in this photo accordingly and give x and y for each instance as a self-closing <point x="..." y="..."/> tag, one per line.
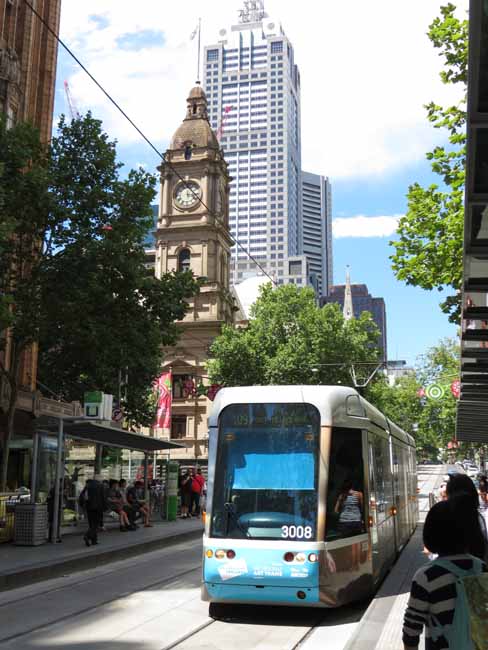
<point x="219" y="611"/>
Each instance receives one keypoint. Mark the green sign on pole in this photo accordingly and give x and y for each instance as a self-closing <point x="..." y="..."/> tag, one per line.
<point x="172" y="491"/>
<point x="94" y="397"/>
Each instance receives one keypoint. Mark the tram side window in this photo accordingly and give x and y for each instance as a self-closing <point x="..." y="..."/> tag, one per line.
<point x="345" y="490"/>
<point x="384" y="479"/>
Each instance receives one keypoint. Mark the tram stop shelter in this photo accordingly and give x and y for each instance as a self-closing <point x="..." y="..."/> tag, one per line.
<point x="96" y="432"/>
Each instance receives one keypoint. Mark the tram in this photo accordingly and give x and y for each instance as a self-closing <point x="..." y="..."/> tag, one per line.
<point x="312" y="493"/>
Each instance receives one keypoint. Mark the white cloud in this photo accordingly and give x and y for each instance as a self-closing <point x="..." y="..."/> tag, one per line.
<point x="366" y="70"/>
<point x="361" y="226"/>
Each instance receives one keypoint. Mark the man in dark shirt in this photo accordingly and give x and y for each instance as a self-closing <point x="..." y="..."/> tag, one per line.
<point x="94" y="499"/>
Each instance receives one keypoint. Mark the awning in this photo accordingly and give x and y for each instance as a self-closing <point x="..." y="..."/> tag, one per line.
<point x="472" y="410"/>
<point x="104" y="435"/>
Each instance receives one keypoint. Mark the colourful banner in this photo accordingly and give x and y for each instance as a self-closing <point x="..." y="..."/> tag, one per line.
<point x="163" y="388"/>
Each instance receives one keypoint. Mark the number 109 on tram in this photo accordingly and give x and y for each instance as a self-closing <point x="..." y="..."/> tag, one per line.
<point x="312" y="493"/>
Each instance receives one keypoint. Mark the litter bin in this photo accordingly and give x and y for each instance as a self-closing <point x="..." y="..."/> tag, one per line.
<point x="31" y="524"/>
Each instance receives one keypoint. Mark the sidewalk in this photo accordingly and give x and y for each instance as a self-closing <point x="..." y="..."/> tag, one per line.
<point x="21" y="565"/>
<point x="381" y="626"/>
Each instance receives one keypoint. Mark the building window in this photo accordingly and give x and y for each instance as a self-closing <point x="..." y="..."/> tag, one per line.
<point x="183" y="386"/>
<point x="184" y="260"/>
<point x="212" y="55"/>
<point x="178" y="426"/>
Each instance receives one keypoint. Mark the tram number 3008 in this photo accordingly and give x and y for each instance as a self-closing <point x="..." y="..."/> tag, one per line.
<point x="296" y="532"/>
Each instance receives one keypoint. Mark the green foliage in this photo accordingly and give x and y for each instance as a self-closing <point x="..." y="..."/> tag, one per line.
<point x="431" y="421"/>
<point x="72" y="269"/>
<point x="428" y="253"/>
<point x="109" y="316"/>
<point x="287" y="337"/>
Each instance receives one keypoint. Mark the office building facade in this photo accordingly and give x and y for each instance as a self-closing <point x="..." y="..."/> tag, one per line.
<point x="253" y="90"/>
<point x="362" y="301"/>
<point x="315" y="241"/>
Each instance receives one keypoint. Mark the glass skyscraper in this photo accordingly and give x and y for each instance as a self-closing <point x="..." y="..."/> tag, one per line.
<point x="253" y="91"/>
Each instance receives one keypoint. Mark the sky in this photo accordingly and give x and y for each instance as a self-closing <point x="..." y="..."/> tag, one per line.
<point x="367" y="69"/>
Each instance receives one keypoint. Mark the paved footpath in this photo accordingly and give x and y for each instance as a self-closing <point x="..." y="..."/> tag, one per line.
<point x="381" y="626"/>
<point x="151" y="601"/>
<point x="21" y="565"/>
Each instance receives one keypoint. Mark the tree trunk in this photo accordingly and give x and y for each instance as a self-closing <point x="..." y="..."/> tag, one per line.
<point x="9" y="433"/>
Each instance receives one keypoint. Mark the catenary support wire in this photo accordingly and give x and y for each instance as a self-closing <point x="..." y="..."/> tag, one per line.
<point x="140" y="132"/>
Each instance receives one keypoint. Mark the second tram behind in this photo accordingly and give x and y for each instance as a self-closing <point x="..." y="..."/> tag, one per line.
<point x="312" y="493"/>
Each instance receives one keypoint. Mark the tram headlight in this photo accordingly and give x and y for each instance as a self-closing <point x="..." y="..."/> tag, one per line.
<point x="300" y="557"/>
<point x="313" y="557"/>
<point x="209" y="553"/>
<point x="220" y="554"/>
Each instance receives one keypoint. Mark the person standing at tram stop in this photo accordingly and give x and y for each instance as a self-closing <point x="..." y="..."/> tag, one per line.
<point x="461" y="484"/>
<point x="449" y="530"/>
<point x="350" y="508"/>
<point x="93" y="499"/>
<point x="197" y="485"/>
<point x="186" y="482"/>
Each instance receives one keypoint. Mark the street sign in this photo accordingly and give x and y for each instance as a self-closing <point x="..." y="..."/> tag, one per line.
<point x="117" y="415"/>
<point x="435" y="391"/>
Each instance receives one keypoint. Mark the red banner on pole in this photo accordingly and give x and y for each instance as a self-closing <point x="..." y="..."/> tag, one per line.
<point x="163" y="388"/>
<point x="456" y="388"/>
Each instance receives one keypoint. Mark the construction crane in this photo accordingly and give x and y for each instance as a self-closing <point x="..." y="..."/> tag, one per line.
<point x="220" y="130"/>
<point x="73" y="109"/>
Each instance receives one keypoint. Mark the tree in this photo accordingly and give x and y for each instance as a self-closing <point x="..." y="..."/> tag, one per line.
<point x="110" y="316"/>
<point x="288" y="340"/>
<point x="25" y="219"/>
<point x="431" y="421"/>
<point x="73" y="269"/>
<point x="400" y="402"/>
<point x="428" y="253"/>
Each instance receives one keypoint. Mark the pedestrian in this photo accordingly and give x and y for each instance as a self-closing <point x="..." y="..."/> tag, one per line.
<point x="449" y="527"/>
<point x="186" y="492"/>
<point x="136" y="499"/>
<point x="93" y="500"/>
<point x="128" y="509"/>
<point x="483" y="495"/>
<point x="461" y="484"/>
<point x="197" y="485"/>
<point x="116" y="504"/>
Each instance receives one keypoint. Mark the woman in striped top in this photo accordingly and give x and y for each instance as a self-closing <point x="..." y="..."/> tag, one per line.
<point x="449" y="529"/>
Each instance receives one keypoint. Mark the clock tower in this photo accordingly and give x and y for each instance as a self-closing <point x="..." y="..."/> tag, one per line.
<point x="193" y="234"/>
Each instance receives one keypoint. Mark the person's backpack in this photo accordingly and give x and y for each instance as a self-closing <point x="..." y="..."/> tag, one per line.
<point x="469" y="626"/>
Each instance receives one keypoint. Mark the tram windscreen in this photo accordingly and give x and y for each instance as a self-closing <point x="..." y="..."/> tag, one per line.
<point x="266" y="472"/>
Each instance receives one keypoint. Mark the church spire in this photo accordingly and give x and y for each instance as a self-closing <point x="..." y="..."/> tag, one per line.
<point x="348" y="311"/>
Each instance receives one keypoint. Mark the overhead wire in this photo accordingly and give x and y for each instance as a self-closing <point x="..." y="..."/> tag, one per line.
<point x="141" y="133"/>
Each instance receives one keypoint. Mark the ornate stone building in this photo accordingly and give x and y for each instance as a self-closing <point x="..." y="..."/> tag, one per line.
<point x="193" y="233"/>
<point x="28" y="57"/>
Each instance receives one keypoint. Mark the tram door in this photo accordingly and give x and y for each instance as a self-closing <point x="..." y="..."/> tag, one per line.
<point x="381" y="503"/>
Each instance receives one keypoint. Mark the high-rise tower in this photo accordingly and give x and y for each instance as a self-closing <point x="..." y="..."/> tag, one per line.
<point x="250" y="77"/>
<point x="316" y="230"/>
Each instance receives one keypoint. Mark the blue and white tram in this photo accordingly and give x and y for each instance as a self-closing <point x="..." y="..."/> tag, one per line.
<point x="312" y="493"/>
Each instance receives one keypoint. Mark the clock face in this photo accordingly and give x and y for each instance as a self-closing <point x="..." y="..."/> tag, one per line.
<point x="187" y="194"/>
